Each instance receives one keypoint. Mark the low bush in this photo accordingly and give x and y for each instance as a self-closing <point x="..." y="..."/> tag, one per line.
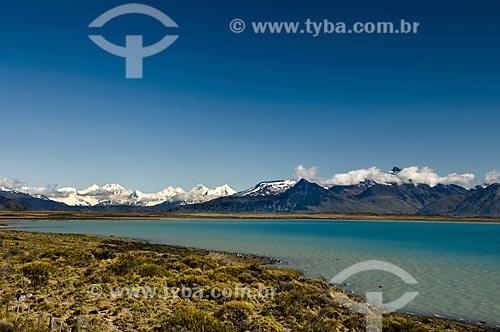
<point x="6" y="327"/>
<point x="151" y="270"/>
<point x="190" y="319"/>
<point x="38" y="272"/>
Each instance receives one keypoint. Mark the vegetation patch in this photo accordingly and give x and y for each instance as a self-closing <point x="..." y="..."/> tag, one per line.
<point x="88" y="283"/>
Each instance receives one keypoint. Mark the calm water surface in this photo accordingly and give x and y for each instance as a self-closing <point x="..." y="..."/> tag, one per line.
<point x="457" y="265"/>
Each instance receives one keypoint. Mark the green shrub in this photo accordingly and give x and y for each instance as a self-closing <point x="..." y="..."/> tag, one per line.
<point x="190" y="319"/>
<point x="124" y="265"/>
<point x="401" y="324"/>
<point x="38" y="272"/>
<point x="198" y="262"/>
<point x="104" y="253"/>
<point x="236" y="312"/>
<point x="151" y="270"/>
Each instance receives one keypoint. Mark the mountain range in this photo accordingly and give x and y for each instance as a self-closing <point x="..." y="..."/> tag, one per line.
<point x="274" y="196"/>
<point x="116" y="195"/>
<point x="365" y="197"/>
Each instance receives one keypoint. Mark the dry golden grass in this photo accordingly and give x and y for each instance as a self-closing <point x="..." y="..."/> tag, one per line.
<point x="56" y="271"/>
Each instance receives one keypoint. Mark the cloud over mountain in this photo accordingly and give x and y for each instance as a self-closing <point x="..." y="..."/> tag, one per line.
<point x="414" y="174"/>
<point x="11" y="184"/>
<point x="493" y="177"/>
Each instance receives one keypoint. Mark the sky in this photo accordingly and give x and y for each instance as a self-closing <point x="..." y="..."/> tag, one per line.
<point x="218" y="107"/>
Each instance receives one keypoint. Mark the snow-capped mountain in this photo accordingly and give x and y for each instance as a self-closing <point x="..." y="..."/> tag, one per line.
<point x="115" y="194"/>
<point x="267" y="188"/>
<point x="24" y="191"/>
<point x="200" y="194"/>
<point x="224" y="190"/>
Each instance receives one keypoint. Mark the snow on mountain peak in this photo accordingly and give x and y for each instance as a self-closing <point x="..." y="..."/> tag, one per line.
<point x="199" y="189"/>
<point x="113" y="187"/>
<point x="268" y="188"/>
<point x="224" y="190"/>
<point x="171" y="191"/>
<point x="90" y="189"/>
<point x="115" y="194"/>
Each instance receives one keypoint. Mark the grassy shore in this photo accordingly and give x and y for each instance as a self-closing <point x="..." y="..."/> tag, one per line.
<point x="9" y="215"/>
<point x="77" y="280"/>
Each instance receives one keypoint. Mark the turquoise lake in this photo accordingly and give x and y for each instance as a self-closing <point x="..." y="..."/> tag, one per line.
<point x="457" y="265"/>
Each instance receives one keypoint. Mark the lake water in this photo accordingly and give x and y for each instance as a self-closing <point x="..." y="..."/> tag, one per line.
<point x="457" y="265"/>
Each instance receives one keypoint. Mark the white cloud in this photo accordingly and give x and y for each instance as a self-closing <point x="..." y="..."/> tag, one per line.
<point x="360" y="175"/>
<point x="493" y="177"/>
<point x="310" y="174"/>
<point x="11" y="184"/>
<point x="414" y="174"/>
<point x="14" y="184"/>
<point x="426" y="175"/>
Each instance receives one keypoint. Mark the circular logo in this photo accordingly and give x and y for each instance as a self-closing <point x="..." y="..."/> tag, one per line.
<point x="237" y="25"/>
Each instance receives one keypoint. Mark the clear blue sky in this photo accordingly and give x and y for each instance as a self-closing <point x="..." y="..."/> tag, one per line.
<point x="218" y="107"/>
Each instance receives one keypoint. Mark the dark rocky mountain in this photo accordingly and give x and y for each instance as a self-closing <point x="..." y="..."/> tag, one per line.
<point x="480" y="202"/>
<point x="304" y="196"/>
<point x="7" y="203"/>
<point x="403" y="199"/>
<point x="352" y="190"/>
<point x="366" y="197"/>
<point x="301" y="197"/>
<point x="445" y="206"/>
<point x="18" y="200"/>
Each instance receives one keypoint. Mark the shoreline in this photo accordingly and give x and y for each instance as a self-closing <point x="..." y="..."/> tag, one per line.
<point x="13" y="216"/>
<point x="265" y="263"/>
